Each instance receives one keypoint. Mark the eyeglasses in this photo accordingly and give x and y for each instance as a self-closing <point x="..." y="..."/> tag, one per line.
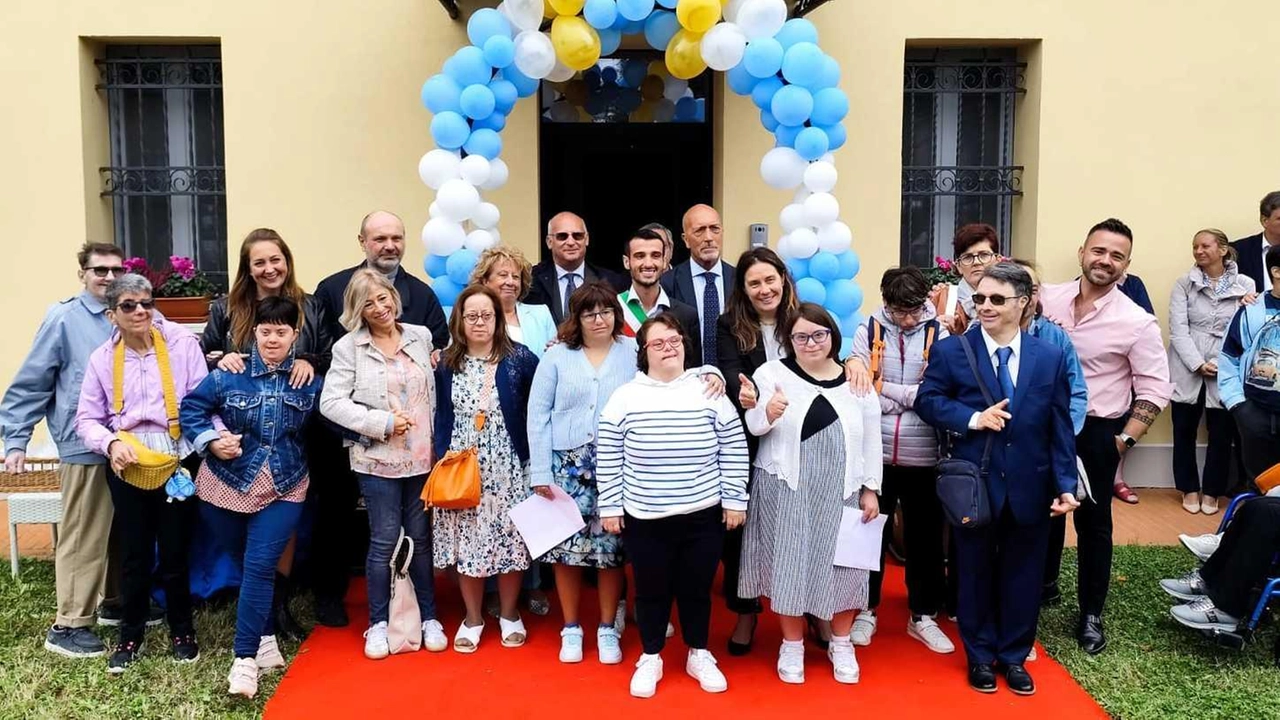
<point x="900" y="314"/>
<point x="996" y="300"/>
<point x="104" y="270"/>
<point x="817" y="337"/>
<point x="478" y="318"/>
<point x="700" y="232"/>
<point x="128" y="306"/>
<point x="674" y="342"/>
<point x="605" y="314"/>
<point x="971" y="259"/>
<point x="563" y="236"/>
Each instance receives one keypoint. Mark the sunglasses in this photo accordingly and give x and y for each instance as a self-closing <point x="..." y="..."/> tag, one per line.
<point x="104" y="270"/>
<point x="996" y="300"/>
<point x="128" y="306"/>
<point x="817" y="337"/>
<point x="673" y="342"/>
<point x="563" y="236"/>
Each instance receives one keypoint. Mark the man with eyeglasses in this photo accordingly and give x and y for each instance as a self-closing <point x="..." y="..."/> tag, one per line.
<point x="47" y="387"/>
<point x="556" y="279"/>
<point x="645" y="298"/>
<point x="703" y="280"/>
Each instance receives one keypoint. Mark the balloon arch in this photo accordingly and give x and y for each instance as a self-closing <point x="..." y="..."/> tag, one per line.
<point x="774" y="60"/>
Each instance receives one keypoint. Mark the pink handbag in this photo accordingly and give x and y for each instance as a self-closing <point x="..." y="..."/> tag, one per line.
<point x="404" y="621"/>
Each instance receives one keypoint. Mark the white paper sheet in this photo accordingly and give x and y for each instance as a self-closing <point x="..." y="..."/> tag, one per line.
<point x="858" y="544"/>
<point x="546" y="523"/>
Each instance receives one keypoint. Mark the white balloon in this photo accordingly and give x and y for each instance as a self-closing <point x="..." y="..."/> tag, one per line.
<point x="474" y="169"/>
<point x="783" y="168"/>
<point x="673" y="89"/>
<point x="443" y="237"/>
<point x="761" y="18"/>
<point x="437" y="166"/>
<point x="828" y="158"/>
<point x="664" y="111"/>
<point x="792" y="217"/>
<point x="535" y="55"/>
<point x="486" y="216"/>
<point x="458" y="199"/>
<point x="731" y="10"/>
<point x="524" y="14"/>
<point x="479" y="240"/>
<point x="802" y="243"/>
<point x="821" y="209"/>
<point x="835" y="237"/>
<point x="560" y="72"/>
<point x="724" y="45"/>
<point x="434" y="210"/>
<point x="801" y="195"/>
<point x="820" y="177"/>
<point x="498" y="174"/>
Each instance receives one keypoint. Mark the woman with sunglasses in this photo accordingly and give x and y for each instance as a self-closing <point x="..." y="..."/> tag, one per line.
<point x="820" y="452"/>
<point x="976" y="248"/>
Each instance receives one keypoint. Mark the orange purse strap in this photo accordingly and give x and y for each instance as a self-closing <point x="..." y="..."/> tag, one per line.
<point x="486" y="394"/>
<point x="877" y="354"/>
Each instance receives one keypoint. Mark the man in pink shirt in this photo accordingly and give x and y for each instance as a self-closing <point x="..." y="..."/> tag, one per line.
<point x="1123" y="357"/>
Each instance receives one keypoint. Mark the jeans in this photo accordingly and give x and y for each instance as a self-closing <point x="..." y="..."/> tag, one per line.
<point x="1217" y="456"/>
<point x="674" y="558"/>
<point x="259" y="538"/>
<point x="923" y="528"/>
<point x="1259" y="437"/>
<point x="395" y="503"/>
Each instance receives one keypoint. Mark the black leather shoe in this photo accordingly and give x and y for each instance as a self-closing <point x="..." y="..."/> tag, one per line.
<point x="1050" y="595"/>
<point x="982" y="677"/>
<point x="1090" y="636"/>
<point x="331" y="612"/>
<point x="1020" y="683"/>
<point x="738" y="649"/>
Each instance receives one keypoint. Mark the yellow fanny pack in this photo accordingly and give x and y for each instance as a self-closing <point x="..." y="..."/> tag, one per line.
<point x="153" y="468"/>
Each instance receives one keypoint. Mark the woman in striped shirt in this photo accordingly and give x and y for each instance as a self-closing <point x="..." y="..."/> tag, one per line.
<point x="672" y="473"/>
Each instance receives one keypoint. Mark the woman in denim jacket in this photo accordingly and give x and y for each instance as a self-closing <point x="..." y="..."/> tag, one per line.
<point x="254" y="477"/>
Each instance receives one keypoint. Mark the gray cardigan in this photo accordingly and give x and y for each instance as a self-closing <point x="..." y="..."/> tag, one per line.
<point x="1198" y="322"/>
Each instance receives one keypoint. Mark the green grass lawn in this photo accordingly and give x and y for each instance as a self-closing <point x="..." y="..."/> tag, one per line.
<point x="1154" y="667"/>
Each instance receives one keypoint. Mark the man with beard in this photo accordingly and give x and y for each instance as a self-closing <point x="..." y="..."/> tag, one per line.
<point x="1123" y="357"/>
<point x="645" y="260"/>
<point x="555" y="280"/>
<point x="702" y="280"/>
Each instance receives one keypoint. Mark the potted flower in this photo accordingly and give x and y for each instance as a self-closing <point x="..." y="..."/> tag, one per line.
<point x="181" y="291"/>
<point x="943" y="272"/>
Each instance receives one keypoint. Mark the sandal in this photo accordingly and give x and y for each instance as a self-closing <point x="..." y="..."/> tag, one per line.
<point x="1125" y="493"/>
<point x="468" y="638"/>
<point x="513" y="632"/>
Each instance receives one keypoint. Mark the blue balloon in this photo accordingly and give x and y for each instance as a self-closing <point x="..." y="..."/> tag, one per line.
<point x="635" y="10"/>
<point x="499" y="51"/>
<point x="849" y="324"/>
<point x="668" y="4"/>
<point x="799" y="268"/>
<point x="843" y="296"/>
<point x="686" y="109"/>
<point x="634" y="72"/>
<point x="434" y="265"/>
<point x="450" y="130"/>
<point x="824" y="266"/>
<point x="460" y="264"/>
<point x="849" y="264"/>
<point x="811" y="290"/>
<point x="525" y="85"/>
<point x="791" y="104"/>
<point x="661" y="26"/>
<point x="609" y="41"/>
<point x="468" y="67"/>
<point x="830" y="106"/>
<point x="700" y="114"/>
<point x="484" y="142"/>
<point x="600" y="14"/>
<point x="445" y="289"/>
<point x="846" y="346"/>
<point x="763" y="57"/>
<point x="740" y="81"/>
<point x="769" y="122"/>
<point x="811" y="143"/>
<point x="797" y="30"/>
<point x="802" y="64"/>
<point x="486" y="23"/>
<point x="477" y="101"/>
<point x="786" y="135"/>
<point x="620" y="24"/>
<point x="835" y="136"/>
<point x="633" y="27"/>
<point x="830" y="76"/>
<point x="762" y="95"/>
<point x="504" y="95"/>
<point x="440" y="94"/>
<point x="496" y="121"/>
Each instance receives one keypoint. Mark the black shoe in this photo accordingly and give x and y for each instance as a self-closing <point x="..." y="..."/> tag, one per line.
<point x="112" y="615"/>
<point x="1090" y="636"/>
<point x="738" y="649"/>
<point x="1020" y="682"/>
<point x="74" y="642"/>
<point x="1050" y="595"/>
<point x="982" y="677"/>
<point x="287" y="626"/>
<point x="185" y="648"/>
<point x="330" y="612"/>
<point x="126" y="654"/>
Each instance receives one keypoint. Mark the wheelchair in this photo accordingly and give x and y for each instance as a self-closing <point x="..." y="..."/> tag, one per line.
<point x="1246" y="631"/>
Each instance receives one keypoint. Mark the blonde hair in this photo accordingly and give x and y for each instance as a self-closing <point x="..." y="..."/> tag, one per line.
<point x="1221" y="238"/>
<point x="363" y="284"/>
<point x="494" y="255"/>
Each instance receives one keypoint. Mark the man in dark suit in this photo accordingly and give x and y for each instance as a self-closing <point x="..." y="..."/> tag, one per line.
<point x="555" y="280"/>
<point x="1030" y="476"/>
<point x="1250" y="251"/>
<point x="704" y="280"/>
<point x="645" y="259"/>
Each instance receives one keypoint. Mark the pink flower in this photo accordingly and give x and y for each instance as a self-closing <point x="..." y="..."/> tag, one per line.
<point x="183" y="266"/>
<point x="136" y="265"/>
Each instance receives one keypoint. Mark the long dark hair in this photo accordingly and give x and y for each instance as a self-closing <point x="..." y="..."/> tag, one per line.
<point x="744" y="321"/>
<point x="242" y="301"/>
<point x="456" y="354"/>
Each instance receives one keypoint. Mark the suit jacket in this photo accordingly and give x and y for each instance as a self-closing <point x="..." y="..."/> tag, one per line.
<point x="734" y="361"/>
<point x="678" y="282"/>
<point x="418" y="303"/>
<point x="545" y="289"/>
<point x="1249" y="260"/>
<point x="1033" y="460"/>
<point x="688" y="317"/>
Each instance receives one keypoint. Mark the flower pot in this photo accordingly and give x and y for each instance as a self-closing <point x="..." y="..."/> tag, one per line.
<point x="184" y="309"/>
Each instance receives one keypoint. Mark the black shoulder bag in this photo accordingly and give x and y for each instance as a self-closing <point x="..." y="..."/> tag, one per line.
<point x="962" y="486"/>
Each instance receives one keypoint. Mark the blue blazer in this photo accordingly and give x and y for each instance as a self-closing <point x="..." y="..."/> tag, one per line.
<point x="1033" y="460"/>
<point x="513" y="380"/>
<point x="536" y="327"/>
<point x="1249" y="259"/>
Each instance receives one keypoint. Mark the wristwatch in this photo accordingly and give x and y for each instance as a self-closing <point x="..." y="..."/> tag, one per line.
<point x="1128" y="440"/>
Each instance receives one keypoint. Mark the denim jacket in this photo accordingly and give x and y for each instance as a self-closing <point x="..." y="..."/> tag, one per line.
<point x="259" y="405"/>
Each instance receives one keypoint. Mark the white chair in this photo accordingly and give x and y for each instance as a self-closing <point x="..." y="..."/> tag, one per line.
<point x="32" y="508"/>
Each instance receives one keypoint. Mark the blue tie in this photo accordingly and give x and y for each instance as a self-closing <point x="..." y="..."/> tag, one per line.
<point x="1002" y="372"/>
<point x="710" y="311"/>
<point x="571" y="284"/>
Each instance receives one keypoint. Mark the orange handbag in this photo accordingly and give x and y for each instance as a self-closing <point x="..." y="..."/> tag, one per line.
<point x="454" y="483"/>
<point x="1269" y="480"/>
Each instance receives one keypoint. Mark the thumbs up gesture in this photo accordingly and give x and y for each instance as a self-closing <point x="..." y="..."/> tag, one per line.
<point x="777" y="405"/>
<point x="747" y="394"/>
<point x="994" y="417"/>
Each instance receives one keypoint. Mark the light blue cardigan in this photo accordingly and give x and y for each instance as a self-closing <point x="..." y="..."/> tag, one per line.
<point x="536" y="327"/>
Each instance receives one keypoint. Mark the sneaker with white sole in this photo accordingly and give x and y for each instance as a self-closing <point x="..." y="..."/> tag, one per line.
<point x="571" y="645"/>
<point x="243" y="679"/>
<point x="926" y="630"/>
<point x="1187" y="588"/>
<point x="791" y="662"/>
<point x="864" y="627"/>
<point x="433" y="637"/>
<point x="644" y="681"/>
<point x="375" y="642"/>
<point x="1204" y="615"/>
<point x="608" y="647"/>
<point x="74" y="642"/>
<point x="844" y="663"/>
<point x="269" y="657"/>
<point x="1202" y="546"/>
<point x="701" y="666"/>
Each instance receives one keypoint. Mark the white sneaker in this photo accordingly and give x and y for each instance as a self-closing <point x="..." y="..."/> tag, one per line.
<point x="701" y="666"/>
<point x="864" y="626"/>
<point x="607" y="646"/>
<point x="644" y="681"/>
<point x="375" y="642"/>
<point x="243" y="679"/>
<point x="433" y="637"/>
<point x="844" y="662"/>
<point x="926" y="630"/>
<point x="1202" y="546"/>
<point x="791" y="663"/>
<point x="671" y="630"/>
<point x="269" y="657"/>
<point x="620" y="617"/>
<point x="571" y="645"/>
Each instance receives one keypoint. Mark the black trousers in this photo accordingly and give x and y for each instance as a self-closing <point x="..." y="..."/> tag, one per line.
<point x="922" y="528"/>
<point x="147" y="521"/>
<point x="1096" y="446"/>
<point x="1217" y="456"/>
<point x="1259" y="437"/>
<point x="674" y="558"/>
<point x="335" y="544"/>
<point x="1245" y="557"/>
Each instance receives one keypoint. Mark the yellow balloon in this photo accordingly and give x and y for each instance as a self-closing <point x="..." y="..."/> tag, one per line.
<point x="566" y="7"/>
<point x="576" y="43"/>
<point x="548" y="12"/>
<point x="698" y="16"/>
<point x="684" y="55"/>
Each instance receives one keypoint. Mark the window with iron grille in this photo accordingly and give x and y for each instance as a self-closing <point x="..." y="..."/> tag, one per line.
<point x="166" y="180"/>
<point x="957" y="146"/>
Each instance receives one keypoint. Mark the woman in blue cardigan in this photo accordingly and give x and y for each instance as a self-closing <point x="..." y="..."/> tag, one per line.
<point x="483" y="384"/>
<point x="505" y="271"/>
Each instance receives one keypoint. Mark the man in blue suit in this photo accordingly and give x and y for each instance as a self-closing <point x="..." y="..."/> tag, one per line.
<point x="1030" y="477"/>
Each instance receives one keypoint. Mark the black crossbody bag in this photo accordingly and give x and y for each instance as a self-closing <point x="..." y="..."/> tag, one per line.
<point x="962" y="486"/>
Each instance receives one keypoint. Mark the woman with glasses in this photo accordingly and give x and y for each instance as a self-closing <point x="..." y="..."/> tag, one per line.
<point x="820" y="453"/>
<point x="484" y="381"/>
<point x="976" y="247"/>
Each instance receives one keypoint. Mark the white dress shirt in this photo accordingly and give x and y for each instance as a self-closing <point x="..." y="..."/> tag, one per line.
<point x="562" y="277"/>
<point x="992" y="346"/>
<point x="700" y="287"/>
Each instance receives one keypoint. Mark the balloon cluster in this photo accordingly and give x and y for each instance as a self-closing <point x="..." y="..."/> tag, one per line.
<point x="625" y="90"/>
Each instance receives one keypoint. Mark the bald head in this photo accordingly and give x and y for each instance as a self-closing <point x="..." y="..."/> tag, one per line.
<point x="703" y="235"/>
<point x="382" y="239"/>
<point x="567" y="239"/>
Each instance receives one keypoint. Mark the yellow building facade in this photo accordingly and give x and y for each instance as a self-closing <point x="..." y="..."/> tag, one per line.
<point x="1160" y="113"/>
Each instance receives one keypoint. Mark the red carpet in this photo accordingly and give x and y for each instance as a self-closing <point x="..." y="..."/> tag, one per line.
<point x="330" y="678"/>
